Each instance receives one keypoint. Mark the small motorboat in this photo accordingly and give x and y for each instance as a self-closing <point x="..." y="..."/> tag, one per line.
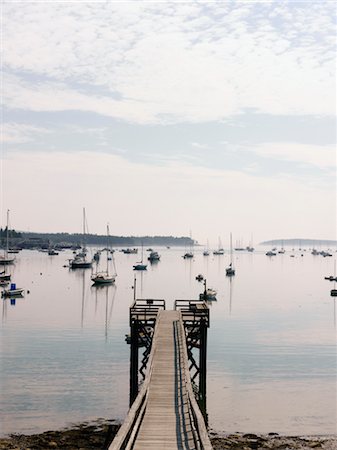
<point x="13" y="291"/>
<point x="333" y="292"/>
<point x="140" y="267"/>
<point x="154" y="256"/>
<point x="96" y="256"/>
<point x="199" y="277"/>
<point x="230" y="271"/>
<point x="188" y="255"/>
<point x="5" y="276"/>
<point x="208" y="294"/>
<point x="270" y="253"/>
<point x="331" y="278"/>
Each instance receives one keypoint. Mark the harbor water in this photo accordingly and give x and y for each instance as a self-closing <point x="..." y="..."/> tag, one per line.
<point x="271" y="356"/>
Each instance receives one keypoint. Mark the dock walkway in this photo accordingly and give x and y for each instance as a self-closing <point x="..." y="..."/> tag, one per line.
<point x="165" y="415"/>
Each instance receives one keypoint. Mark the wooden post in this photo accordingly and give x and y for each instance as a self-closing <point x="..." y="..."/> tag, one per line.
<point x="203" y="368"/>
<point x="134" y="361"/>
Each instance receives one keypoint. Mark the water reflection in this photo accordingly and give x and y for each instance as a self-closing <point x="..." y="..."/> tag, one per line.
<point x="107" y="292"/>
<point x="12" y="301"/>
<point x="231" y="286"/>
<point x="260" y="339"/>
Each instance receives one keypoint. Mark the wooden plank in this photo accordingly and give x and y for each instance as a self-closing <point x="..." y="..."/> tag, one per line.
<point x="162" y="426"/>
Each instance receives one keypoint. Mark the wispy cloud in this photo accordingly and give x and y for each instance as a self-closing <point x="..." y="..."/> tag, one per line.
<point x="322" y="157"/>
<point x="172" y="62"/>
<point x="15" y="133"/>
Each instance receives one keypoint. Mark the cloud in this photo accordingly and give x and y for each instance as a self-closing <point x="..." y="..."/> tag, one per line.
<point x="322" y="157"/>
<point x="171" y="62"/>
<point x="15" y="133"/>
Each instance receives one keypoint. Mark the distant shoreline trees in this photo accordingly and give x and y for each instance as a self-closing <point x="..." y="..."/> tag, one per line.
<point x="27" y="239"/>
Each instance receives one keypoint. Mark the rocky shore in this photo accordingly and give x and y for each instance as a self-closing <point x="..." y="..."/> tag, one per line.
<point x="96" y="435"/>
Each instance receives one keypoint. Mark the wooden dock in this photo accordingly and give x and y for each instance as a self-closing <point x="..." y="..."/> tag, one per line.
<point x="165" y="414"/>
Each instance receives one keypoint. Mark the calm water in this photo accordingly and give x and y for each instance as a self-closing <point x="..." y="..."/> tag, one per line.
<point x="271" y="344"/>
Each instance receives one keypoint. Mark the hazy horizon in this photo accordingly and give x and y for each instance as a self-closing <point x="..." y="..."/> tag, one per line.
<point x="170" y="118"/>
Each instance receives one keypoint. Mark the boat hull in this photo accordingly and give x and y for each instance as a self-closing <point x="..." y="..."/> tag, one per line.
<point x="80" y="265"/>
<point x="140" y="267"/>
<point x="6" y="261"/>
<point x="12" y="293"/>
<point x="102" y="280"/>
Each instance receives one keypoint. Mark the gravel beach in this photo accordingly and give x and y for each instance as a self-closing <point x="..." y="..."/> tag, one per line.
<point x="95" y="435"/>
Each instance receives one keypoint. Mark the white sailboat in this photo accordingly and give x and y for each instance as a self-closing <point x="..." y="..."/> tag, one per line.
<point x="104" y="277"/>
<point x="230" y="271"/>
<point x="206" y="251"/>
<point x="140" y="265"/>
<point x="220" y="250"/>
<point x="5" y="259"/>
<point x="80" y="260"/>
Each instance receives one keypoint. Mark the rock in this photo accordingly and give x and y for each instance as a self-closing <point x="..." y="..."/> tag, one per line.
<point x="52" y="444"/>
<point x="273" y="434"/>
<point x="315" y="444"/>
<point x="250" y="436"/>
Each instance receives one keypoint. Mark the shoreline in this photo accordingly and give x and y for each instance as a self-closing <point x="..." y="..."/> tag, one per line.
<point x="98" y="434"/>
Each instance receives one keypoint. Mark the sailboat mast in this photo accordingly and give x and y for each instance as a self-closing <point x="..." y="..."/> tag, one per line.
<point x="231" y="250"/>
<point x="7" y="233"/>
<point x="107" y="249"/>
<point x="83" y="222"/>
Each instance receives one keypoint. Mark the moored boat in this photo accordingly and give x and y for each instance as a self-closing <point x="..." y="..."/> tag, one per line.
<point x="230" y="271"/>
<point x="104" y="277"/>
<point x="154" y="256"/>
<point x="13" y="291"/>
<point x="80" y="260"/>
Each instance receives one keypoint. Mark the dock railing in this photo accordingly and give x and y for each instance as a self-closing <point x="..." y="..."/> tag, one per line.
<point x="146" y="309"/>
<point x="199" y="430"/>
<point x="193" y="310"/>
<point x="127" y="434"/>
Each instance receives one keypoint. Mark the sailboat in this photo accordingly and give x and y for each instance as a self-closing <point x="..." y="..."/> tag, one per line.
<point x="5" y="260"/>
<point x="239" y="247"/>
<point x="230" y="271"/>
<point x="80" y="260"/>
<point x="104" y="277"/>
<point x="189" y="254"/>
<point x="140" y="265"/>
<point x="206" y="251"/>
<point x="333" y="291"/>
<point x="282" y="251"/>
<point x="250" y="247"/>
<point x="220" y="250"/>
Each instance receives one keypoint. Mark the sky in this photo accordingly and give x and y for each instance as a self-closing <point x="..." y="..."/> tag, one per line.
<point x="170" y="118"/>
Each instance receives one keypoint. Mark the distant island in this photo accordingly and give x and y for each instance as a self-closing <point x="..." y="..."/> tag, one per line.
<point x="67" y="240"/>
<point x="298" y="242"/>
